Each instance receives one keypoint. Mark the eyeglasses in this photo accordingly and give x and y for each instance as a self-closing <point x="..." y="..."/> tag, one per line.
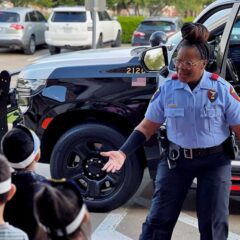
<point x="185" y="63"/>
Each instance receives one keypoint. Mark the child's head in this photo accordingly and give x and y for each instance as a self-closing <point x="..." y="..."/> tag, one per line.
<point x="7" y="189"/>
<point x="60" y="210"/>
<point x="21" y="146"/>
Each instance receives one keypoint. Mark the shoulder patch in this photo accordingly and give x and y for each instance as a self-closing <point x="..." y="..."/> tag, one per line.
<point x="234" y="94"/>
<point x="156" y="94"/>
<point x="175" y="76"/>
<point x="214" y="76"/>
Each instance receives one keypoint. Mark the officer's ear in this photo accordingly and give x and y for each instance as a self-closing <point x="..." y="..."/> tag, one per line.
<point x="204" y="64"/>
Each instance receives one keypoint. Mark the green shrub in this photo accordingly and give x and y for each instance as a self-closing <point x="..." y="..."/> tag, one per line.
<point x="188" y="19"/>
<point x="129" y="25"/>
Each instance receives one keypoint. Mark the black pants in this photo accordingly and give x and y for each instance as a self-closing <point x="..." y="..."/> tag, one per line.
<point x="213" y="173"/>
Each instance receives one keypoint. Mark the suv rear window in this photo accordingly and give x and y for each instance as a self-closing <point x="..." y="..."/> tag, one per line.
<point x="158" y="26"/>
<point x="69" y="17"/>
<point x="9" y="17"/>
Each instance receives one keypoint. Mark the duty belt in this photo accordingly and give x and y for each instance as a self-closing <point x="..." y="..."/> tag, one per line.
<point x="200" y="152"/>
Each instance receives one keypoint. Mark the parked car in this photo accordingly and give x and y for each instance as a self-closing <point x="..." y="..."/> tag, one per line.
<point x="71" y="27"/>
<point x="22" y="28"/>
<point x="85" y="102"/>
<point x="143" y="32"/>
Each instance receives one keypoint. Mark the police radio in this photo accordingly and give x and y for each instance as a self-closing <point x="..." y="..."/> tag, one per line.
<point x="162" y="139"/>
<point x="171" y="150"/>
<point x="230" y="147"/>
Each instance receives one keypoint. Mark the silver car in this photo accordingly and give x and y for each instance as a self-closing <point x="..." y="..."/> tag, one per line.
<point x="22" y="28"/>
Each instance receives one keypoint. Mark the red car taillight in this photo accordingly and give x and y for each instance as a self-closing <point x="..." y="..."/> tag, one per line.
<point x="235" y="188"/>
<point x="17" y="26"/>
<point x="235" y="178"/>
<point x="138" y="34"/>
<point x="235" y="183"/>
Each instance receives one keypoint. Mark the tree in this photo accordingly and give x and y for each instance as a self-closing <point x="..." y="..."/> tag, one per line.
<point x="155" y="6"/>
<point x="19" y="3"/>
<point x="192" y="8"/>
<point x="43" y="3"/>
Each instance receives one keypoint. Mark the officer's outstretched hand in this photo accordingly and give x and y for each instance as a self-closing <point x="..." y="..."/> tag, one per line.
<point x="115" y="161"/>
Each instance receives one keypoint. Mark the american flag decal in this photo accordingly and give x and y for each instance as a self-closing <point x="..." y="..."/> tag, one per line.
<point x="139" y="82"/>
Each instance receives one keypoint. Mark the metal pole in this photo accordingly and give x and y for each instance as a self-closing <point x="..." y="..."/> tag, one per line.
<point x="94" y="25"/>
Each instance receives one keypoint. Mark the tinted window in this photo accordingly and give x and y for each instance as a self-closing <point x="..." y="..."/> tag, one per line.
<point x="41" y="18"/>
<point x="33" y="17"/>
<point x="235" y="34"/>
<point x="103" y="16"/>
<point x="217" y="19"/>
<point x="9" y="17"/>
<point x="27" y="18"/>
<point x="158" y="26"/>
<point x="69" y="17"/>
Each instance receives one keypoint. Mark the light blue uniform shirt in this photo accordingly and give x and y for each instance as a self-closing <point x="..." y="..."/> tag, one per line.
<point x="198" y="118"/>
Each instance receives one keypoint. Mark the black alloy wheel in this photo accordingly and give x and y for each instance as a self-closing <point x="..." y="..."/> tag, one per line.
<point x="76" y="155"/>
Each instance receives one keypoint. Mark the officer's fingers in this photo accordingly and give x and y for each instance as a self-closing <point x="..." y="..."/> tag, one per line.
<point x="114" y="169"/>
<point x="106" y="165"/>
<point x="105" y="154"/>
<point x="110" y="168"/>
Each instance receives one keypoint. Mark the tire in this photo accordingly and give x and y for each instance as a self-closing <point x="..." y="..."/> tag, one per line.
<point x="100" y="42"/>
<point x="54" y="50"/>
<point x="31" y="47"/>
<point x="76" y="156"/>
<point x="118" y="40"/>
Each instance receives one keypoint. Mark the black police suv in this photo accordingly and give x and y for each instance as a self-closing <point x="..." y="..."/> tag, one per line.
<point x="85" y="102"/>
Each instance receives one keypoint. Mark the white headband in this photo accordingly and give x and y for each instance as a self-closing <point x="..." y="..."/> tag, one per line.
<point x="5" y="186"/>
<point x="23" y="164"/>
<point x="73" y="226"/>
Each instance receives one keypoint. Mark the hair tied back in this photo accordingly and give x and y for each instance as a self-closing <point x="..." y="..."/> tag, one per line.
<point x="194" y="33"/>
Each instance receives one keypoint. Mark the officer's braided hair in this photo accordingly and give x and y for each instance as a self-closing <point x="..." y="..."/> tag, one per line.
<point x="196" y="35"/>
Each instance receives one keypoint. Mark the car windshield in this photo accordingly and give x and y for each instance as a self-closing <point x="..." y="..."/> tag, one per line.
<point x="9" y="17"/>
<point x="158" y="26"/>
<point x="69" y="17"/>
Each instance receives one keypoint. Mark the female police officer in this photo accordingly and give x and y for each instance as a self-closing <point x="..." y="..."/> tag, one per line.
<point x="198" y="108"/>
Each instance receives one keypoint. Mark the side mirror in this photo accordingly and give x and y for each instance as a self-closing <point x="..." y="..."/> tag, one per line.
<point x="154" y="59"/>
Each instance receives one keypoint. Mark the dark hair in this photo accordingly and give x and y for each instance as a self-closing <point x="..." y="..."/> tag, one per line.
<point x="17" y="144"/>
<point x="5" y="174"/>
<point x="57" y="206"/>
<point x="196" y="35"/>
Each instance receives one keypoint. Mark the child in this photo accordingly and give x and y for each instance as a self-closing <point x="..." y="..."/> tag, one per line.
<point x="7" y="191"/>
<point x="21" y="146"/>
<point x="61" y="212"/>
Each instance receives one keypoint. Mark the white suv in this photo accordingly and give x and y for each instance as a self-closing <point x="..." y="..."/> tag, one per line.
<point x="71" y="27"/>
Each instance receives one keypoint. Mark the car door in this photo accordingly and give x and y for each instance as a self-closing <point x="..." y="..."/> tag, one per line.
<point x="41" y="27"/>
<point x="228" y="21"/>
<point x="106" y="26"/>
<point x="32" y="27"/>
<point x="219" y="22"/>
